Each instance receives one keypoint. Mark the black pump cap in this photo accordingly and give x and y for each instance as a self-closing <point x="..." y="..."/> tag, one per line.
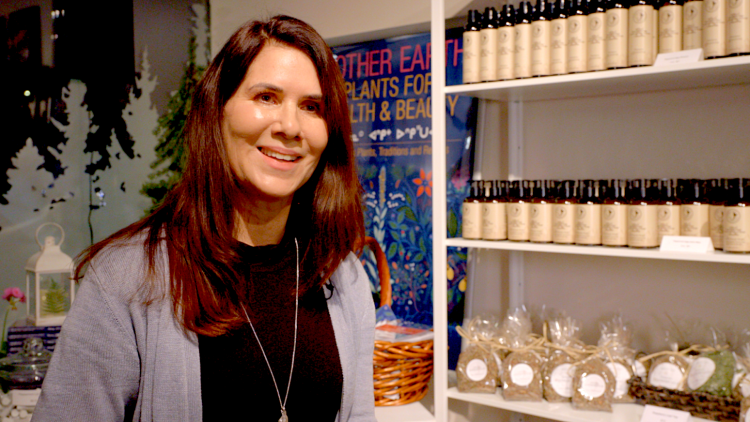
<point x="490" y="18"/>
<point x="524" y="12"/>
<point x="474" y="20"/>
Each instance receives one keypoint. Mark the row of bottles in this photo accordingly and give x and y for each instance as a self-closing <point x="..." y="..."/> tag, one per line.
<point x="634" y="213"/>
<point x="557" y="37"/>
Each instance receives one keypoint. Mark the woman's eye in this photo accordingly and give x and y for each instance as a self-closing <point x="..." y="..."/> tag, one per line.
<point x="265" y="97"/>
<point x="312" y="107"/>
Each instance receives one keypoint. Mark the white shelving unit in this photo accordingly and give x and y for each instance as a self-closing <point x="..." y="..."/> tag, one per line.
<point x="713" y="73"/>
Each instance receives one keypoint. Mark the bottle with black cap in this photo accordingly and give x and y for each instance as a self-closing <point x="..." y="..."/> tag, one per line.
<point x="670" y="25"/>
<point x="692" y="24"/>
<point x="694" y="208"/>
<point x="617" y="33"/>
<point x="559" y="38"/>
<point x="641" y="29"/>
<point x="471" y="211"/>
<point x="738" y="28"/>
<point x="577" y="37"/>
<point x="524" y="15"/>
<point x="615" y="215"/>
<point x="506" y="44"/>
<point x="518" y="211"/>
<point x="597" y="21"/>
<point x="642" y="214"/>
<point x="540" y="39"/>
<point x="717" y="197"/>
<point x="589" y="214"/>
<point x="668" y="209"/>
<point x="564" y="213"/>
<point x="488" y="45"/>
<point x="737" y="216"/>
<point x="471" y="48"/>
<point x="540" y="211"/>
<point x="493" y="213"/>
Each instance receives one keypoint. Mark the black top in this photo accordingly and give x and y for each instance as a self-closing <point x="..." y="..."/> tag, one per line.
<point x="235" y="379"/>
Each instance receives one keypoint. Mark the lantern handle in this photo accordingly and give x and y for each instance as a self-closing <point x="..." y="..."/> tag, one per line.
<point x="36" y="235"/>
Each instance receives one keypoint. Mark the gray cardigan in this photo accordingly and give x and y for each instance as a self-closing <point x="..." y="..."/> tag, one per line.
<point x="118" y="359"/>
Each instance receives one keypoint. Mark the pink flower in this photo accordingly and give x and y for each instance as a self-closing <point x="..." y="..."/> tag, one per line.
<point x="14" y="292"/>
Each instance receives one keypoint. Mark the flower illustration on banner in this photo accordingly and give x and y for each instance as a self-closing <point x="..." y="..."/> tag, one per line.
<point x="424" y="181"/>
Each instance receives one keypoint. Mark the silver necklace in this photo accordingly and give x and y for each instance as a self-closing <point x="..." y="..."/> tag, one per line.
<point x="284" y="417"/>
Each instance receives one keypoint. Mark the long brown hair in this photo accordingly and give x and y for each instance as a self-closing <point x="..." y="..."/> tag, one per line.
<point x="196" y="221"/>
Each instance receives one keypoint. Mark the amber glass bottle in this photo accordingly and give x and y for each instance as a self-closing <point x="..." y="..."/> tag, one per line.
<point x="494" y="226"/>
<point x="518" y="211"/>
<point x="589" y="214"/>
<point x="615" y="215"/>
<point x="642" y="214"/>
<point x="471" y="211"/>
<point x="668" y="209"/>
<point x="737" y="217"/>
<point x="564" y="213"/>
<point x="540" y="212"/>
<point x="694" y="207"/>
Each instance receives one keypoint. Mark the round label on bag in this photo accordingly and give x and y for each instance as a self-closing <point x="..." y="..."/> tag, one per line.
<point x="592" y="386"/>
<point x="667" y="375"/>
<point x="622" y="375"/>
<point x="476" y="370"/>
<point x="640" y="369"/>
<point x="561" y="381"/>
<point x="700" y="371"/>
<point x="522" y="374"/>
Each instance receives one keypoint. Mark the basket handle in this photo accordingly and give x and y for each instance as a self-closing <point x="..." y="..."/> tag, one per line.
<point x="384" y="273"/>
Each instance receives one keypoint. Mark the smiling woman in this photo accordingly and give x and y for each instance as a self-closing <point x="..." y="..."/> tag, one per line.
<point x="214" y="305"/>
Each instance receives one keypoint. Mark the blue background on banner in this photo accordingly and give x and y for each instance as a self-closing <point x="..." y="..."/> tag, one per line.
<point x="388" y="85"/>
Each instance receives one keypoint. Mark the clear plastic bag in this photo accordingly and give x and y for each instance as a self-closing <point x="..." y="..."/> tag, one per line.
<point x="477" y="370"/>
<point x="557" y="374"/>
<point x="521" y="372"/>
<point x="712" y="371"/>
<point x="615" y="342"/>
<point x="593" y="385"/>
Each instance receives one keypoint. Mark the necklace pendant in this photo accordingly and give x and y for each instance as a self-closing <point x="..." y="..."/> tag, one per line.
<point x="283" y="417"/>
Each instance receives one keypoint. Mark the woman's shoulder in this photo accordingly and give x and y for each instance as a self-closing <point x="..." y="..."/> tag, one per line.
<point x="351" y="277"/>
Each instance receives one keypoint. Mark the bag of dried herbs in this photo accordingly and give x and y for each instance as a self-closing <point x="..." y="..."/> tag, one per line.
<point x="564" y="348"/>
<point x="593" y="385"/>
<point x="668" y="368"/>
<point x="521" y="371"/>
<point x="615" y="344"/>
<point x="742" y="380"/>
<point x="478" y="365"/>
<point x="712" y="371"/>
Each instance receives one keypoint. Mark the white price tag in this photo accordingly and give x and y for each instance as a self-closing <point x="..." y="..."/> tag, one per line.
<point x="679" y="57"/>
<point x="690" y="244"/>
<point x="661" y="414"/>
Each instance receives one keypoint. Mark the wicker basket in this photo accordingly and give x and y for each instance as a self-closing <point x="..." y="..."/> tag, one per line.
<point x="702" y="405"/>
<point x="401" y="370"/>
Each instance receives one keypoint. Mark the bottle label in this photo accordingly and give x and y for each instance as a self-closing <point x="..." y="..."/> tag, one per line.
<point x="506" y="45"/>
<point x="522" y="374"/>
<point x="563" y="223"/>
<point x="540" y="31"/>
<point x="669" y="221"/>
<point x="577" y="37"/>
<point x="640" y="42"/>
<point x="588" y="224"/>
<point x="493" y="221"/>
<point x="597" y="38"/>
<point x="738" y="26"/>
<point x="615" y="225"/>
<point x="714" y="28"/>
<point x="523" y="51"/>
<point x="540" y="222"/>
<point x="488" y="54"/>
<point x="700" y="371"/>
<point x="561" y="381"/>
<point x="667" y="375"/>
<point x="642" y="226"/>
<point x="592" y="386"/>
<point x="716" y="225"/>
<point x="692" y="25"/>
<point x="622" y="375"/>
<point x="476" y="370"/>
<point x="737" y="229"/>
<point x="670" y="28"/>
<point x="518" y="221"/>
<point x="558" y="49"/>
<point x="472" y="220"/>
<point x="471" y="56"/>
<point x="694" y="220"/>
<point x="617" y="38"/>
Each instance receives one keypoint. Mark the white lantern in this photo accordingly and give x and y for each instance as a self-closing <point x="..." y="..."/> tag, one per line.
<point x="51" y="271"/>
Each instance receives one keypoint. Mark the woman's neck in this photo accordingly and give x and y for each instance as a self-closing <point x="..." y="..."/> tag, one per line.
<point x="260" y="223"/>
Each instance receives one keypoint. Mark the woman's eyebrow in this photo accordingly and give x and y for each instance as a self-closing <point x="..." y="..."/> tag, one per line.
<point x="275" y="88"/>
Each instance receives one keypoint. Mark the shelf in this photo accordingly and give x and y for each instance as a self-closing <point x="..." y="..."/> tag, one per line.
<point x="717" y="256"/>
<point x="562" y="412"/>
<point x="707" y="73"/>
<point x="412" y="412"/>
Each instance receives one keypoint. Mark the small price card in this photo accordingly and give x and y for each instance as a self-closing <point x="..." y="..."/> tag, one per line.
<point x="679" y="57"/>
<point x="690" y="244"/>
<point x="661" y="414"/>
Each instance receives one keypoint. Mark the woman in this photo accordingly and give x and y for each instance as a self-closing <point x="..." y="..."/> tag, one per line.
<point x="240" y="295"/>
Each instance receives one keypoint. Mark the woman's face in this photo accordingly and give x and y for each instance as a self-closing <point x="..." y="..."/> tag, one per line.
<point x="273" y="126"/>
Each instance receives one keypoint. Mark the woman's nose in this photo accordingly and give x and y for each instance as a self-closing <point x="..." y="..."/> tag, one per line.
<point x="289" y="123"/>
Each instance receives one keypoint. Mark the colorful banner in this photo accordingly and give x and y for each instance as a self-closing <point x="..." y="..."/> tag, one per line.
<point x="388" y="85"/>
